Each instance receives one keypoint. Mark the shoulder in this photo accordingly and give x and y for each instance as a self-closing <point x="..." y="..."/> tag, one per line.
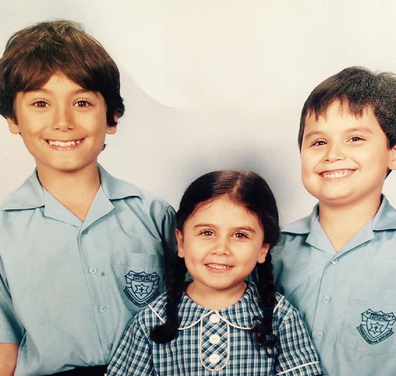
<point x="385" y="219"/>
<point x="153" y="314"/>
<point x="294" y="234"/>
<point x="29" y="195"/>
<point x="121" y="190"/>
<point x="147" y="319"/>
<point x="302" y="225"/>
<point x="284" y="310"/>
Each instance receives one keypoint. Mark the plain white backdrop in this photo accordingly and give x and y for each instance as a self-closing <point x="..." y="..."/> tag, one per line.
<point x="213" y="84"/>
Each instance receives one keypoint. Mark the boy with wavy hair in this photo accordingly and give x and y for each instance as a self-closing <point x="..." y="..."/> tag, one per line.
<point x="80" y="251"/>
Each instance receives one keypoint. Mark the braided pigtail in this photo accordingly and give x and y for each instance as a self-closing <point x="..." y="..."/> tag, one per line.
<point x="266" y="290"/>
<point x="167" y="332"/>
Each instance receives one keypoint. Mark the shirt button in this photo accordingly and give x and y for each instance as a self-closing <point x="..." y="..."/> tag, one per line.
<point x="319" y="335"/>
<point x="110" y="346"/>
<point x="93" y="270"/>
<point x="214" y="318"/>
<point x="334" y="261"/>
<point x="214" y="339"/>
<point x="102" y="309"/>
<point x="326" y="299"/>
<point x="214" y="358"/>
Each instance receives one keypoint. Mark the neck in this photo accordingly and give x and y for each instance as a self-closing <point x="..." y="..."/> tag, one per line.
<point x="75" y="190"/>
<point x="341" y="223"/>
<point x="214" y="298"/>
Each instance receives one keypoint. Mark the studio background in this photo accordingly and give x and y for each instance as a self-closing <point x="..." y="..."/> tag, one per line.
<point x="213" y="84"/>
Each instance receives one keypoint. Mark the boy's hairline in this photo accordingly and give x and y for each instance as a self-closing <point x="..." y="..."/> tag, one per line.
<point x="345" y="104"/>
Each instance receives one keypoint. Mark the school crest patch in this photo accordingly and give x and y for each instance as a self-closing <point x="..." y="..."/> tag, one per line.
<point x="141" y="288"/>
<point x="376" y="326"/>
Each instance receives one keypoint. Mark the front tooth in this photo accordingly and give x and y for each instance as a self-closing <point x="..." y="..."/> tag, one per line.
<point x="336" y="175"/>
<point x="64" y="144"/>
<point x="215" y="266"/>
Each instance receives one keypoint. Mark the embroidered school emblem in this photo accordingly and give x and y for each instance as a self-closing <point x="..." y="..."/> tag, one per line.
<point x="376" y="326"/>
<point x="141" y="288"/>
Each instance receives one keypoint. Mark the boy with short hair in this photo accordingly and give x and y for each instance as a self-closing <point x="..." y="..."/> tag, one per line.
<point x="80" y="251"/>
<point x="337" y="266"/>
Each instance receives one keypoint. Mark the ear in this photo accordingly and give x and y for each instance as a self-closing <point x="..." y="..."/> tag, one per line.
<point x="180" y="243"/>
<point x="111" y="129"/>
<point x="392" y="160"/>
<point x="12" y="126"/>
<point x="263" y="252"/>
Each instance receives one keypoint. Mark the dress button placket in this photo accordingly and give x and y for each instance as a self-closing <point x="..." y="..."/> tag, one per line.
<point x="214" y="342"/>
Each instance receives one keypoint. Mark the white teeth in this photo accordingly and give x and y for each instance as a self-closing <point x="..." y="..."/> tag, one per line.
<point x="217" y="266"/>
<point x="63" y="143"/>
<point x="335" y="175"/>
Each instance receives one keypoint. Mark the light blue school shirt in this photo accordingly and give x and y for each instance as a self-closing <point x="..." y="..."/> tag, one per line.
<point x="347" y="299"/>
<point x="68" y="288"/>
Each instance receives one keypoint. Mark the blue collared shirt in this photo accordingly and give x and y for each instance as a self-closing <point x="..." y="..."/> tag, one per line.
<point x="216" y="342"/>
<point x="346" y="298"/>
<point x="68" y="288"/>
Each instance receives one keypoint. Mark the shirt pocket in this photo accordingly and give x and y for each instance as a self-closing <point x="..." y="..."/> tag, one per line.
<point x="140" y="277"/>
<point x="369" y="323"/>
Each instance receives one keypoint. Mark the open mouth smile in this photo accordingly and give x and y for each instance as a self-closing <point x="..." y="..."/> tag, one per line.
<point x="218" y="266"/>
<point x="336" y="174"/>
<point x="64" y="144"/>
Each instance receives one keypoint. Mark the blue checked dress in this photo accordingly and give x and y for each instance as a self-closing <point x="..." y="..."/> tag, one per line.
<point x="216" y="342"/>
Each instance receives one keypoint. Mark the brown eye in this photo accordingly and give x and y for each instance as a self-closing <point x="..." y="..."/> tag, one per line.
<point x="40" y="104"/>
<point x="82" y="103"/>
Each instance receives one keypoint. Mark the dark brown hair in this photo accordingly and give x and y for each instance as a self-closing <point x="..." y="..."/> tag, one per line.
<point x="358" y="88"/>
<point x="34" y="54"/>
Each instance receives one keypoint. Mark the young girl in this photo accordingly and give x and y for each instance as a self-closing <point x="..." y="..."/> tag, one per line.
<point x="219" y="323"/>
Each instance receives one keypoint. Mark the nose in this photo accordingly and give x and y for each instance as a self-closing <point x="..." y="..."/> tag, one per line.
<point x="221" y="247"/>
<point x="63" y="119"/>
<point x="335" y="152"/>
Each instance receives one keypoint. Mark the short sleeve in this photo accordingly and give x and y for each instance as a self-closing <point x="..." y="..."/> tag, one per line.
<point x="11" y="330"/>
<point x="297" y="356"/>
<point x="133" y="355"/>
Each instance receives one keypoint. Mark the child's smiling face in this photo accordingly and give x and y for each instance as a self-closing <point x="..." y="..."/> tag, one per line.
<point x="221" y="243"/>
<point x="63" y="125"/>
<point x="344" y="158"/>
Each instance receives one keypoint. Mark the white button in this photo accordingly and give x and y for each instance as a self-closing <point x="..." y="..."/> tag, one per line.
<point x="319" y="335"/>
<point x="102" y="309"/>
<point x="93" y="270"/>
<point x="326" y="299"/>
<point x="214" y="318"/>
<point x="214" y="339"/>
<point x="214" y="358"/>
<point x="334" y="261"/>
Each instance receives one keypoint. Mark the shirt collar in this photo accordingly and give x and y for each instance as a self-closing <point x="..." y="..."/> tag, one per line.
<point x="115" y="188"/>
<point x="30" y="194"/>
<point x="303" y="225"/>
<point x="385" y="219"/>
<point x="240" y="315"/>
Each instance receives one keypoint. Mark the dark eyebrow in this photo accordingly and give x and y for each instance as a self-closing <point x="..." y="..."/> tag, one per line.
<point x="347" y="130"/>
<point x="313" y="133"/>
<point x="360" y="129"/>
<point x="244" y="228"/>
<point x="79" y="91"/>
